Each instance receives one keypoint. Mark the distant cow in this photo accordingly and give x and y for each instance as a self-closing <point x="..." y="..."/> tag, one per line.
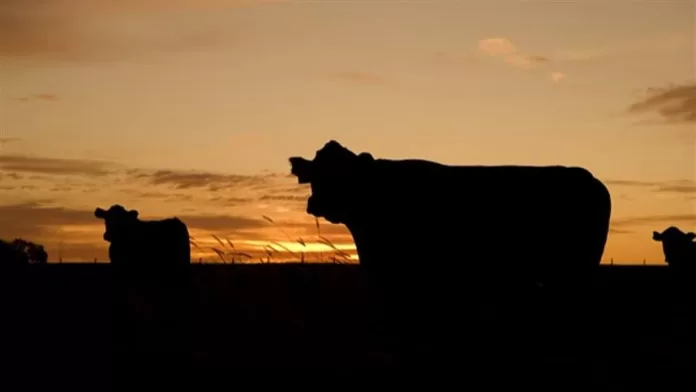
<point x="679" y="247"/>
<point x="542" y="224"/>
<point x="151" y="315"/>
<point x="144" y="244"/>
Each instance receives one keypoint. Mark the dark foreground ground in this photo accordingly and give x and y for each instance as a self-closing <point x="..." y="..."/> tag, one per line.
<point x="637" y="329"/>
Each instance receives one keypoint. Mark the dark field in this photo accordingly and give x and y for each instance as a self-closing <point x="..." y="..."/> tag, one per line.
<point x="637" y="329"/>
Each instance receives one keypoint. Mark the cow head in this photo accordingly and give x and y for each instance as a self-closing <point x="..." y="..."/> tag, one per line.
<point x="675" y="243"/>
<point x="118" y="221"/>
<point x="335" y="177"/>
<point x="673" y="235"/>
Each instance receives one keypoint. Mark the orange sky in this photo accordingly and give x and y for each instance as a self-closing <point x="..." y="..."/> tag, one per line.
<point x="192" y="107"/>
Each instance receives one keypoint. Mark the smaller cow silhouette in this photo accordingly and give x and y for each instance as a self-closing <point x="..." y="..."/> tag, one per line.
<point x="144" y="244"/>
<point x="151" y="314"/>
<point x="679" y="247"/>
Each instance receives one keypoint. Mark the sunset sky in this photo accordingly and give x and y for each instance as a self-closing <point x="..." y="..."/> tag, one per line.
<point x="192" y="107"/>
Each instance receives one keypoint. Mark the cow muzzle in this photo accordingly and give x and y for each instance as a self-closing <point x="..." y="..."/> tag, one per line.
<point x="303" y="169"/>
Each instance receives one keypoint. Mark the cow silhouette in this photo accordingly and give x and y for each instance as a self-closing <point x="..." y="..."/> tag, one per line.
<point x="679" y="247"/>
<point x="542" y="224"/>
<point x="144" y="244"/>
<point x="151" y="261"/>
<point x="443" y="243"/>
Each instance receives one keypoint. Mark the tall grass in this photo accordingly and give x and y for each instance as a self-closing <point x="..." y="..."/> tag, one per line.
<point x="229" y="254"/>
<point x="337" y="256"/>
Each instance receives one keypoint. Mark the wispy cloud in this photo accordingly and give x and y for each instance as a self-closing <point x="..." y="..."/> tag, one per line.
<point x="674" y="219"/>
<point x="619" y="231"/>
<point x="55" y="166"/>
<point x="632" y="183"/>
<point x="10" y="176"/>
<point x="674" y="104"/>
<point x="673" y="186"/>
<point x="287" y="198"/>
<point x="660" y="43"/>
<point x="78" y="29"/>
<point x="111" y="180"/>
<point x="197" y="179"/>
<point x="39" y="220"/>
<point x="497" y="46"/>
<point x="512" y="55"/>
<point x="526" y="61"/>
<point x="557" y="77"/>
<point x="686" y="188"/>
<point x="39" y="97"/>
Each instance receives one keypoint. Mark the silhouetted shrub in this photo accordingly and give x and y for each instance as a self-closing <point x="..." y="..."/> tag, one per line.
<point x="21" y="251"/>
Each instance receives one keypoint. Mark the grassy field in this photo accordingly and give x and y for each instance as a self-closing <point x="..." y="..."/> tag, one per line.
<point x="636" y="329"/>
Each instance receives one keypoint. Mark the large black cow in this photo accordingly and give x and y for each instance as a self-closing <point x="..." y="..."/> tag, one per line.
<point x="428" y="232"/>
<point x="546" y="224"/>
<point x="679" y="247"/>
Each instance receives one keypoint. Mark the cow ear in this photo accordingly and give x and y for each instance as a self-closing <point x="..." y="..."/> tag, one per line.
<point x="100" y="213"/>
<point x="690" y="236"/>
<point x="657" y="236"/>
<point x="133" y="214"/>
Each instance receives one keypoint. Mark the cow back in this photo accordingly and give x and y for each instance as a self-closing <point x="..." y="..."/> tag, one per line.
<point x="501" y="219"/>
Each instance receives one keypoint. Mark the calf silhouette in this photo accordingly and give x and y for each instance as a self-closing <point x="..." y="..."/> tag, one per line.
<point x="151" y="289"/>
<point x="679" y="247"/>
<point x="546" y="225"/>
<point x="144" y="244"/>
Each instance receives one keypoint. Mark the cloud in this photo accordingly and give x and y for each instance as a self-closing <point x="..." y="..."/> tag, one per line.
<point x="661" y="43"/>
<point x="80" y="29"/>
<point x="674" y="104"/>
<point x="8" y="140"/>
<point x="11" y="176"/>
<point x="283" y="198"/>
<point x="526" y="61"/>
<point x="218" y="223"/>
<point x="308" y="228"/>
<point x="180" y="179"/>
<point x="673" y="186"/>
<point x="230" y="201"/>
<point x="619" y="231"/>
<point x="497" y="46"/>
<point x="504" y="48"/>
<point x="110" y="180"/>
<point x="655" y="219"/>
<point x="557" y="77"/>
<point x="55" y="166"/>
<point x="33" y="220"/>
<point x="632" y="183"/>
<point x="678" y="188"/>
<point x="40" y="97"/>
<point x="361" y="78"/>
